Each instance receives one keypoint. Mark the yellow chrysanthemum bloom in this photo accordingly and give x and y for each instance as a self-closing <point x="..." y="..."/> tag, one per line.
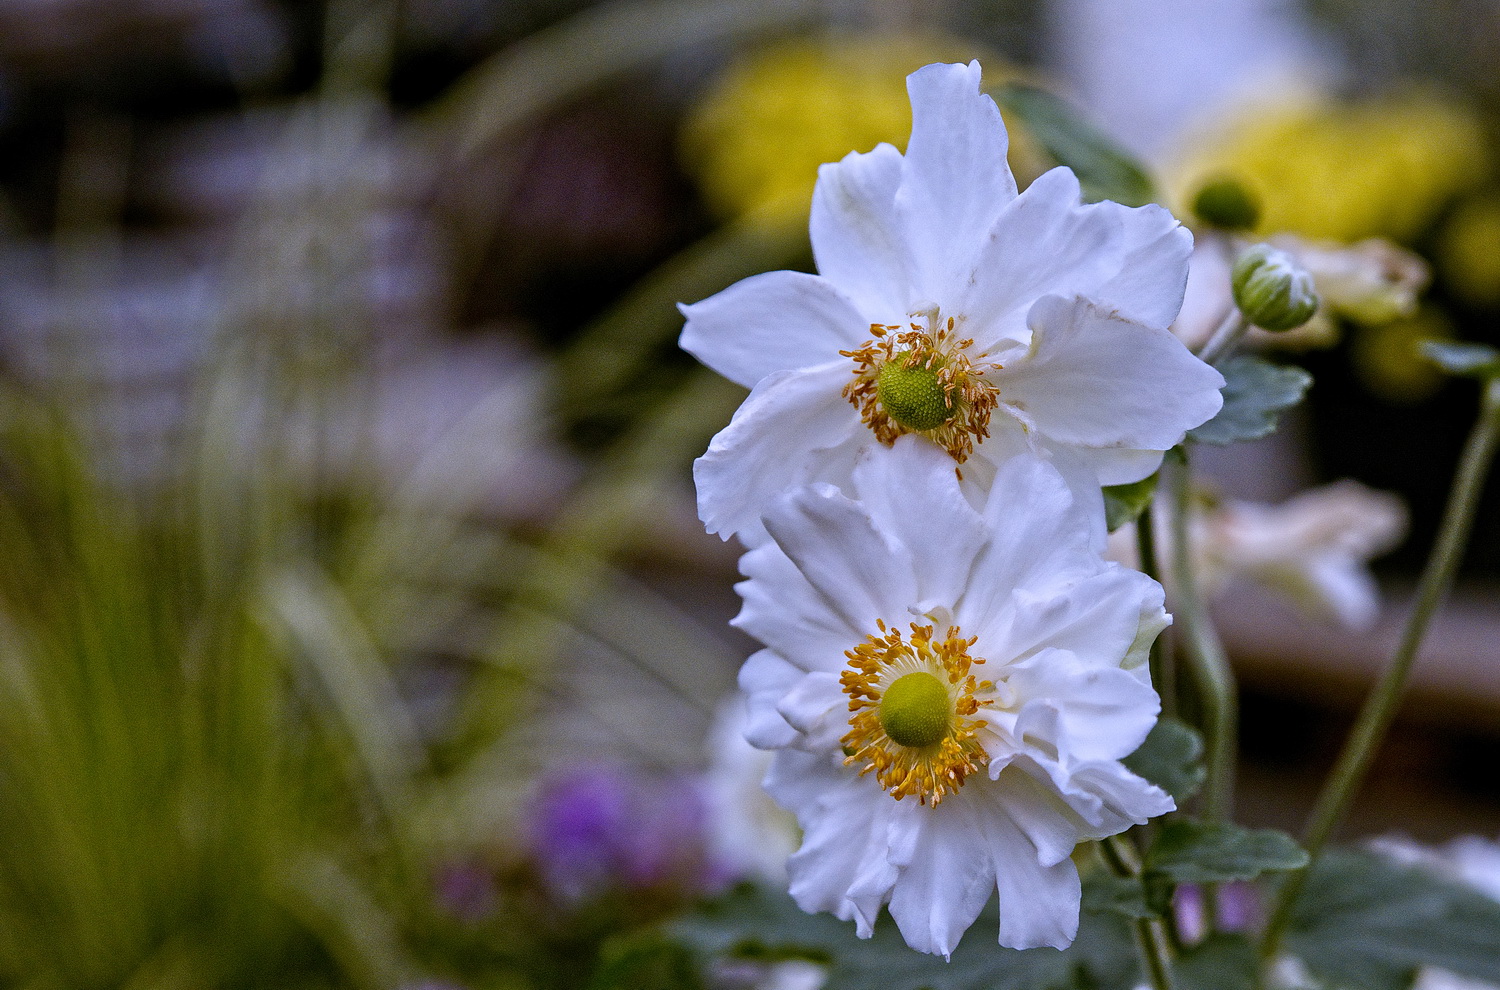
<point x="756" y="138"/>
<point x="1346" y="171"/>
<point x="1468" y="250"/>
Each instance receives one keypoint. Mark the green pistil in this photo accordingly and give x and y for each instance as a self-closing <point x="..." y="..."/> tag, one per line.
<point x="915" y="710"/>
<point x="913" y="397"/>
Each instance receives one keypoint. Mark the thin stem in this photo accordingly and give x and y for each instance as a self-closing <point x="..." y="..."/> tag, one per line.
<point x="1205" y="655"/>
<point x="1150" y="937"/>
<point x="1226" y="336"/>
<point x="1380" y="707"/>
<point x="1163" y="657"/>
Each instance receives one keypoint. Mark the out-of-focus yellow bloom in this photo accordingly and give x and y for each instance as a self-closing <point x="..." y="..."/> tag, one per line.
<point x="756" y="138"/>
<point x="1346" y="171"/>
<point x="1387" y="360"/>
<point x="1468" y="250"/>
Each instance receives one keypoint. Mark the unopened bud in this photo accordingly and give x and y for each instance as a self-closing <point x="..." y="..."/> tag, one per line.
<point x="1227" y="203"/>
<point x="1272" y="290"/>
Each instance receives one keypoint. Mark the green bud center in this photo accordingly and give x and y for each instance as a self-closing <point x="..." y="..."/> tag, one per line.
<point x="915" y="710"/>
<point x="914" y="396"/>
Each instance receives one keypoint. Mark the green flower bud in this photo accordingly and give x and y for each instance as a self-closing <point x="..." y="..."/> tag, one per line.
<point x="1228" y="204"/>
<point x="913" y="397"/>
<point x="915" y="710"/>
<point x="1272" y="290"/>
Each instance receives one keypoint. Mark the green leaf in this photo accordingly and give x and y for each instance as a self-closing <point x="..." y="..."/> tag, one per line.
<point x="1225" y="961"/>
<point x="1171" y="758"/>
<point x="1256" y="392"/>
<point x="646" y="962"/>
<point x="1124" y="503"/>
<point x="1121" y="895"/>
<point x="1104" y="170"/>
<point x="768" y="925"/>
<point x="1458" y="358"/>
<point x="1188" y="851"/>
<point x="1365" y="921"/>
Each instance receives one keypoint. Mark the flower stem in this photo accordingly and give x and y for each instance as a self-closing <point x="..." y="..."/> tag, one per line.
<point x="1163" y="658"/>
<point x="1224" y="337"/>
<point x="1150" y="936"/>
<point x="1380" y="707"/>
<point x="1204" y="652"/>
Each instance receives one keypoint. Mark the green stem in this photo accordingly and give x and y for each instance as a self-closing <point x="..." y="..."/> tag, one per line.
<point x="1380" y="707"/>
<point x="1224" y="337"/>
<point x="1205" y="655"/>
<point x="1150" y="937"/>
<point x="1163" y="657"/>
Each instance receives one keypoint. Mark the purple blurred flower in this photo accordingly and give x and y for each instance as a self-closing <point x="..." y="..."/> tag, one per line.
<point x="602" y="827"/>
<point x="1239" y="909"/>
<point x="466" y="890"/>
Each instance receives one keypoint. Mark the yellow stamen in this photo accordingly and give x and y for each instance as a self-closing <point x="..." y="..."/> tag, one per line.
<point x="923" y="381"/>
<point x="911" y="704"/>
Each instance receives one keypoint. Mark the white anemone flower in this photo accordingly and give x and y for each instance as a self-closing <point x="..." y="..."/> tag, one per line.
<point x="949" y="306"/>
<point x="950" y="692"/>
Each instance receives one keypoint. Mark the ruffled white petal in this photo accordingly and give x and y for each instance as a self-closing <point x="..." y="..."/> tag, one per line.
<point x="772" y="322"/>
<point x="1101" y="713"/>
<point x="1046" y="242"/>
<point x="842" y="866"/>
<point x="946" y="877"/>
<point x="788" y="615"/>
<point x="954" y="179"/>
<point x="793" y="429"/>
<point x="1096" y="618"/>
<point x="856" y="569"/>
<point x="857" y="239"/>
<point x="766" y="678"/>
<point x="912" y="495"/>
<point x="1093" y="379"/>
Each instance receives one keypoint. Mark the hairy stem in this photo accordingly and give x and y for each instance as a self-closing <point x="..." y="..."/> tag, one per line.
<point x="1380" y="707"/>
<point x="1150" y="936"/>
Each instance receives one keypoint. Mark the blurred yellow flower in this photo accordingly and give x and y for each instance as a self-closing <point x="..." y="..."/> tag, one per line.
<point x="1468" y="250"/>
<point x="1344" y="171"/>
<point x="1387" y="360"/>
<point x="756" y="138"/>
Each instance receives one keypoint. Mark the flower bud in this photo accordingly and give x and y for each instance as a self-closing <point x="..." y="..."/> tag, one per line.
<point x="1272" y="290"/>
<point x="1227" y="203"/>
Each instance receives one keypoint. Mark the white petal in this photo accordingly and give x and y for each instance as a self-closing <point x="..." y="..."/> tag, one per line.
<point x="1123" y="799"/>
<point x="947" y="878"/>
<point x="771" y="322"/>
<point x="1038" y="904"/>
<point x="1038" y="534"/>
<point x="955" y="179"/>
<point x="842" y="865"/>
<point x="1096" y="618"/>
<point x="1101" y="713"/>
<point x="816" y="706"/>
<point x="859" y="573"/>
<point x="912" y="493"/>
<point x="856" y="235"/>
<point x="793" y="429"/>
<point x="1134" y="260"/>
<point x="787" y="614"/>
<point x="766" y="678"/>
<point x="1093" y="379"/>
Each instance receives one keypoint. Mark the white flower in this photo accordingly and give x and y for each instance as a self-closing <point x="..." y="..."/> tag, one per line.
<point x="1313" y="548"/>
<point x="985" y="670"/>
<point x="947" y="305"/>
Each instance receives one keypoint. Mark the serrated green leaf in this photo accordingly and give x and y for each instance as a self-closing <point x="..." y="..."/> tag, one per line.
<point x="1256" y="393"/>
<point x="1171" y="758"/>
<point x="1189" y="851"/>
<point x="1365" y="921"/>
<point x="1224" y="961"/>
<point x="1120" y="895"/>
<point x="1124" y="503"/>
<point x="769" y="925"/>
<point x="1465" y="359"/>
<point x="1104" y="170"/>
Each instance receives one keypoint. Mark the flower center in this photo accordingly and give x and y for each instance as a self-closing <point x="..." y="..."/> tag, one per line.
<point x="911" y="704"/>
<point x="913" y="396"/>
<point x="923" y="381"/>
